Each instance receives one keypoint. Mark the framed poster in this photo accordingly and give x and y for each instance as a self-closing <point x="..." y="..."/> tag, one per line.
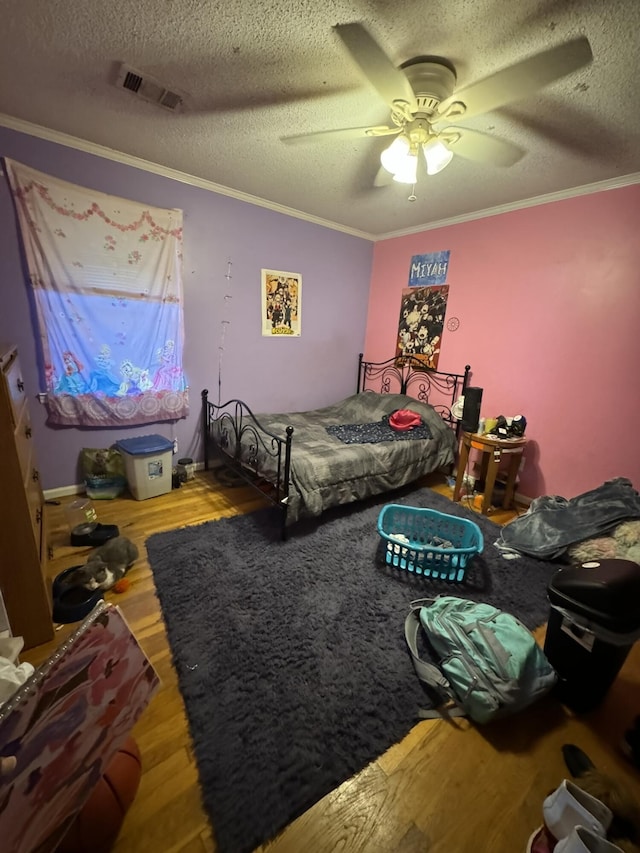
<point x="281" y="303"/>
<point x="422" y="312"/>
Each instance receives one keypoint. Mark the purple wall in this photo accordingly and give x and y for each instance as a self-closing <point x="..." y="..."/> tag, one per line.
<point x="271" y="375"/>
<point x="548" y="300"/>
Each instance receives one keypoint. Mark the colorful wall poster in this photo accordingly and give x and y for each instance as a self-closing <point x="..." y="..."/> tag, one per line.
<point x="281" y="303"/>
<point x="422" y="313"/>
<point x="429" y="269"/>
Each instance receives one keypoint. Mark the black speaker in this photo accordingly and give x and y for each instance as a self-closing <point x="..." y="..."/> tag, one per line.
<point x="471" y="409"/>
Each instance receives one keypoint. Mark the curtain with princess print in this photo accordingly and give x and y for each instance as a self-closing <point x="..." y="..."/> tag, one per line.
<point x="106" y="275"/>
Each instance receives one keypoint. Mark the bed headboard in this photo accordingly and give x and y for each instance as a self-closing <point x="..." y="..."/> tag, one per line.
<point x="406" y="374"/>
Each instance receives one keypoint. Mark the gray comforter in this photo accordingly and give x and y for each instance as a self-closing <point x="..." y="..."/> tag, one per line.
<point x="326" y="472"/>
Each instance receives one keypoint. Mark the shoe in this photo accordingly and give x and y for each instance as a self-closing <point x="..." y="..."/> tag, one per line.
<point x="564" y="809"/>
<point x="631" y="743"/>
<point x="583" y="840"/>
<point x="540" y="841"/>
<point x="609" y="790"/>
<point x="100" y="534"/>
<point x="578" y="762"/>
<point x="569" y="806"/>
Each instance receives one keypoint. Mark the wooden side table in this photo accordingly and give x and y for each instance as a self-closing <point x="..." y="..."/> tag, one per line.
<point x="493" y="449"/>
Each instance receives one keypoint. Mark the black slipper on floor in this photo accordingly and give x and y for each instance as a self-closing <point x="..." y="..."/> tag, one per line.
<point x="100" y="534"/>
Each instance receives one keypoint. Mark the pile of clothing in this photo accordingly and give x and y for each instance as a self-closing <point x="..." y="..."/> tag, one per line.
<point x="552" y="524"/>
<point x="12" y="674"/>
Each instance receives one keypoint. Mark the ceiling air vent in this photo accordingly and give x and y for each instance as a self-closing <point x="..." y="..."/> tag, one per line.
<point x="148" y="88"/>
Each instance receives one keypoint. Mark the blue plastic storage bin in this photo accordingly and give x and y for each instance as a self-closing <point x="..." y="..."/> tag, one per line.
<point x="147" y="462"/>
<point x="428" y="542"/>
<point x="142" y="445"/>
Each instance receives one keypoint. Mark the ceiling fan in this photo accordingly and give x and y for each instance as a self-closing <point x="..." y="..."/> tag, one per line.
<point x="423" y="100"/>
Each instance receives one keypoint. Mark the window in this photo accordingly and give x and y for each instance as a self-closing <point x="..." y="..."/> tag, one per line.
<point x="106" y="278"/>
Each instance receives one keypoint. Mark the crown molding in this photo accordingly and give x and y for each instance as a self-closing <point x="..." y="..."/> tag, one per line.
<point x="587" y="189"/>
<point x="69" y="141"/>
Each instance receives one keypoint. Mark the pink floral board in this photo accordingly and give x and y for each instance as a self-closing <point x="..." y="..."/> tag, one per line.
<point x="65" y="724"/>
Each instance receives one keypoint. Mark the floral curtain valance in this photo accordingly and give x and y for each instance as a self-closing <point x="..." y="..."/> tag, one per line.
<point x="106" y="275"/>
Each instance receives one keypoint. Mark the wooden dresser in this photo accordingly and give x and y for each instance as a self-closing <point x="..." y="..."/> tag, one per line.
<point x="23" y="541"/>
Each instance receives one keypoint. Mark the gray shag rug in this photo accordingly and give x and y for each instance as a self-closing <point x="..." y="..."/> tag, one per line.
<point x="291" y="655"/>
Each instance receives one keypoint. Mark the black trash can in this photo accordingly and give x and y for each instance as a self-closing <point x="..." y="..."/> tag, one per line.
<point x="593" y="623"/>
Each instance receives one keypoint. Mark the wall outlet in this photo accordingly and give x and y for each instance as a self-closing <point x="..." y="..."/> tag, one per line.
<point x="175" y="445"/>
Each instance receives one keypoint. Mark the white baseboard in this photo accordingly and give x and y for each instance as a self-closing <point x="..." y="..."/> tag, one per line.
<point x="80" y="488"/>
<point x="63" y="491"/>
<point x="522" y="499"/>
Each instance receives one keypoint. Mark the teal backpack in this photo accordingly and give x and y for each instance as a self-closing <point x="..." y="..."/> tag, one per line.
<point x="489" y="663"/>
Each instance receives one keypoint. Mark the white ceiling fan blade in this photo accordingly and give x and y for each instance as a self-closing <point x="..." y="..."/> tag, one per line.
<point x="480" y="147"/>
<point x="517" y="81"/>
<point x="341" y="133"/>
<point x="389" y="81"/>
<point x="382" y="178"/>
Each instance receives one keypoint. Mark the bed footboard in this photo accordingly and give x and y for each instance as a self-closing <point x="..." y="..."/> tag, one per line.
<point x="232" y="434"/>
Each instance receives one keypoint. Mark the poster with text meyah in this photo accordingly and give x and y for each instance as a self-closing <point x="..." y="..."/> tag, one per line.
<point x="429" y="269"/>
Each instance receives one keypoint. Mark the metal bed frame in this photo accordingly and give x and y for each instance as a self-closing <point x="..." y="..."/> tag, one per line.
<point x="233" y="434"/>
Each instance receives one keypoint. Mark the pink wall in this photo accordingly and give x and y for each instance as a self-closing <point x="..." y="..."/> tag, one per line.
<point x="548" y="300"/>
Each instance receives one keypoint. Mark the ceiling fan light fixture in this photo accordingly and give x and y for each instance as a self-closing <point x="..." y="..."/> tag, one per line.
<point x="394" y="156"/>
<point x="400" y="161"/>
<point x="437" y="156"/>
<point x="408" y="172"/>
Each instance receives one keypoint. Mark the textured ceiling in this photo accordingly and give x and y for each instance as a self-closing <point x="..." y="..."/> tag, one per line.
<point x="254" y="71"/>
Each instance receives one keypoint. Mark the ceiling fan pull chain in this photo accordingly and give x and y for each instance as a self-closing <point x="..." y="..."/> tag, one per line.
<point x="413" y="196"/>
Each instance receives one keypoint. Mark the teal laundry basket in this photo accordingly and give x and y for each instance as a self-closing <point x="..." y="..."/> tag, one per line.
<point x="427" y="542"/>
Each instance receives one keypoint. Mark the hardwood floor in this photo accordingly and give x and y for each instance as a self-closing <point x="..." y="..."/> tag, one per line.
<point x="453" y="788"/>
